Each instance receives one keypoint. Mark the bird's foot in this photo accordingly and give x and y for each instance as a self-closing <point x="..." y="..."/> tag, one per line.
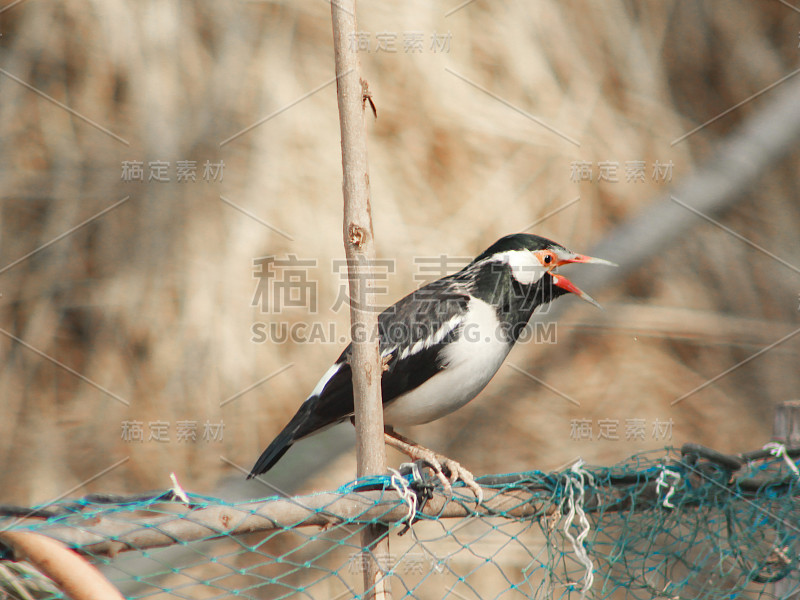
<point x="436" y="462"/>
<point x="458" y="472"/>
<point x="449" y="471"/>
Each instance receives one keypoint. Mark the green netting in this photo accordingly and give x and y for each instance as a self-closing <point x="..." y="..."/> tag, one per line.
<point x="690" y="524"/>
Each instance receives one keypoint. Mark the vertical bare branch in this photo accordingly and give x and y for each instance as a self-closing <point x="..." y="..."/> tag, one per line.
<point x="360" y="251"/>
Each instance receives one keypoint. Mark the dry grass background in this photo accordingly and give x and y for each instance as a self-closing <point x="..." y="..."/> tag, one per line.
<point x="152" y="300"/>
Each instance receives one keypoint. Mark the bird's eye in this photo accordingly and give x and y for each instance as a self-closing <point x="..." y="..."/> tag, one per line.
<point x="548" y="258"/>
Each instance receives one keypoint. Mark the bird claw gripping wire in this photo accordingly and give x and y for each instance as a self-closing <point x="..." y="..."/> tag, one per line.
<point x="420" y="486"/>
<point x="413" y="487"/>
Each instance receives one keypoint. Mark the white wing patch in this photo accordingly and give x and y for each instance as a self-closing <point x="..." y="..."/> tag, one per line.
<point x="432" y="340"/>
<point x="326" y="378"/>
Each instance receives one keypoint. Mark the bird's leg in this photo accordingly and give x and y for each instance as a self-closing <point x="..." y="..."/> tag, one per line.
<point x="437" y="462"/>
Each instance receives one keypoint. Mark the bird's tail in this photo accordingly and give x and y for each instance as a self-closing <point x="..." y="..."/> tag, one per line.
<point x="273" y="453"/>
<point x="288" y="436"/>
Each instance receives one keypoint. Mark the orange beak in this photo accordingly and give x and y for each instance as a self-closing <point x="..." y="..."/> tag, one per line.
<point x="567" y="285"/>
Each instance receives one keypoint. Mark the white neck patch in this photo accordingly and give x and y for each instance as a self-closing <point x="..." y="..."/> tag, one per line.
<point x="525" y="267"/>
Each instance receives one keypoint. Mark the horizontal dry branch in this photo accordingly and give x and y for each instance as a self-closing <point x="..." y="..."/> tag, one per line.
<point x="109" y="535"/>
<point x="509" y="496"/>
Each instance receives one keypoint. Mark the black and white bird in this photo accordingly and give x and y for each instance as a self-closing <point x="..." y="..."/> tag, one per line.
<point x="441" y="345"/>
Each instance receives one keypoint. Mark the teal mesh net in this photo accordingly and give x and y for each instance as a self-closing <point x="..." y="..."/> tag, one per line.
<point x="670" y="524"/>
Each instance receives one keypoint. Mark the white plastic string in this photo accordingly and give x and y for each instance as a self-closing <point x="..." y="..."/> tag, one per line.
<point x="778" y="450"/>
<point x="177" y="489"/>
<point x="416" y="474"/>
<point x="576" y="480"/>
<point x="400" y="485"/>
<point x="662" y="482"/>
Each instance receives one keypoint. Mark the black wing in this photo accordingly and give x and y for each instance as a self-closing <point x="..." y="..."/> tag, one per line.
<point x="412" y="334"/>
<point x="414" y="331"/>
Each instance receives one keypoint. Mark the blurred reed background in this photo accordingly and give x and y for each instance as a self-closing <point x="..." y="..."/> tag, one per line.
<point x="152" y="300"/>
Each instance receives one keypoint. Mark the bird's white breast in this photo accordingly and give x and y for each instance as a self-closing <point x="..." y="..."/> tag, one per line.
<point x="470" y="362"/>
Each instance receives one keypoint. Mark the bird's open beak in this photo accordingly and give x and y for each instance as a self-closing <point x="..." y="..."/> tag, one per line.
<point x="566" y="284"/>
<point x="582" y="258"/>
